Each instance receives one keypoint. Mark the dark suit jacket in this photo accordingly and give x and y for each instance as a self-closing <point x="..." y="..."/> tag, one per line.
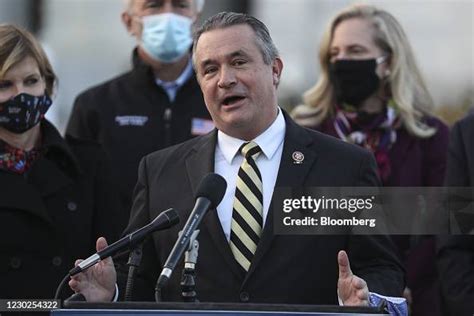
<point x="286" y="269"/>
<point x="456" y="253"/>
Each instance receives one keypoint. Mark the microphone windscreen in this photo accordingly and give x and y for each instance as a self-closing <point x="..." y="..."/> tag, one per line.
<point x="213" y="188"/>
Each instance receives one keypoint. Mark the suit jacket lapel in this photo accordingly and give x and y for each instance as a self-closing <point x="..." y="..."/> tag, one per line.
<point x="200" y="160"/>
<point x="290" y="174"/>
<point x="199" y="163"/>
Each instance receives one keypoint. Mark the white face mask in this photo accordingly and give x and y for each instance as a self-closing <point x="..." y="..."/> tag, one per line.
<point x="166" y="37"/>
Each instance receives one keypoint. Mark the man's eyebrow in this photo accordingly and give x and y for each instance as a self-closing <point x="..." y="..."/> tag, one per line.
<point x="206" y="62"/>
<point x="237" y="53"/>
<point x="153" y="1"/>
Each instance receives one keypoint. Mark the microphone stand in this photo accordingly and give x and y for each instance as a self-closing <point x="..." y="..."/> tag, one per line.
<point x="191" y="256"/>
<point x="133" y="263"/>
<point x="188" y="283"/>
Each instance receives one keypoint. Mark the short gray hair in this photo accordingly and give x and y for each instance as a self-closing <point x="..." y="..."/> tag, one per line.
<point x="198" y="5"/>
<point x="226" y="19"/>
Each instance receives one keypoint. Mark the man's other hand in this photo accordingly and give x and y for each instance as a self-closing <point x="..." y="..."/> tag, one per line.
<point x="352" y="290"/>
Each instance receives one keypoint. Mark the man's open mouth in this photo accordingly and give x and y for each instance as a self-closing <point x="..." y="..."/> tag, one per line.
<point x="232" y="99"/>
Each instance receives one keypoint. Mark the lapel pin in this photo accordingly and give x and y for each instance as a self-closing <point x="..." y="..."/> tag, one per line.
<point x="298" y="157"/>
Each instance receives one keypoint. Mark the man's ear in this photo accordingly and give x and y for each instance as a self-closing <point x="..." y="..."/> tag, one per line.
<point x="277" y="68"/>
<point x="127" y="21"/>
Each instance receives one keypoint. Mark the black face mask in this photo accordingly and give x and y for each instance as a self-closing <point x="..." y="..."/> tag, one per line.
<point x="23" y="112"/>
<point x="354" y="80"/>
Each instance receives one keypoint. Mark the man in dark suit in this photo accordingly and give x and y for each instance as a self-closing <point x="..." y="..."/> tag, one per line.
<point x="238" y="69"/>
<point x="456" y="253"/>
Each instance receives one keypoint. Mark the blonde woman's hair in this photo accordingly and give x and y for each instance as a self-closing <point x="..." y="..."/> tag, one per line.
<point x="15" y="45"/>
<point x="407" y="87"/>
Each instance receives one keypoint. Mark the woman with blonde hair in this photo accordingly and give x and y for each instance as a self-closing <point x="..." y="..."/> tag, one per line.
<point x="56" y="195"/>
<point x="371" y="93"/>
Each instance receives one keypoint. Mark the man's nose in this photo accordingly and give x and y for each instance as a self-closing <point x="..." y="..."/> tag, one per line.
<point x="227" y="79"/>
<point x="168" y="7"/>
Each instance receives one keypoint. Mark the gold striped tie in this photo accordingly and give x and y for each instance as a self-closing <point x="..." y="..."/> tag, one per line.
<point x="247" y="220"/>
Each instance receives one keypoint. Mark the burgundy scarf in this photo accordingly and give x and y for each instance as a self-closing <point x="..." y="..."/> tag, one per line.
<point x="375" y="132"/>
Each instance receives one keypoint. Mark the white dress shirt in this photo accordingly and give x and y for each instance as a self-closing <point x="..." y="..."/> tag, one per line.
<point x="228" y="160"/>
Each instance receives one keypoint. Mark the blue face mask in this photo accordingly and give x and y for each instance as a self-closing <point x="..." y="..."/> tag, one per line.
<point x="166" y="37"/>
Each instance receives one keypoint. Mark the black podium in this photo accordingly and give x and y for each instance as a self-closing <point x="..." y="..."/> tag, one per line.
<point x="227" y="309"/>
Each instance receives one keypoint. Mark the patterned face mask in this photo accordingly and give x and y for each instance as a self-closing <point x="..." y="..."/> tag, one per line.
<point x="23" y="112"/>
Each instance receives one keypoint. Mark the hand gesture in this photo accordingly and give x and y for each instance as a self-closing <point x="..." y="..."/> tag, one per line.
<point x="97" y="283"/>
<point x="351" y="289"/>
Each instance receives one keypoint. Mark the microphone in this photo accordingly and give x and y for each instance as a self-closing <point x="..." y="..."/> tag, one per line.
<point x="164" y="220"/>
<point x="210" y="192"/>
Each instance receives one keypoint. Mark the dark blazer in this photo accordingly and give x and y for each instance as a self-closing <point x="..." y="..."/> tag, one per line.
<point x="286" y="269"/>
<point x="53" y="214"/>
<point x="456" y="253"/>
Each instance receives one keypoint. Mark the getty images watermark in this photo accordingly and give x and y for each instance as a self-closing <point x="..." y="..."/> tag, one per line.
<point x="311" y="205"/>
<point x="372" y="210"/>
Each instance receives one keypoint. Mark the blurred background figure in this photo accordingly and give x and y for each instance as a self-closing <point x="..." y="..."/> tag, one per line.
<point x="46" y="182"/>
<point x="156" y="104"/>
<point x="460" y="169"/>
<point x="371" y="93"/>
<point x="456" y="253"/>
<point x="77" y="33"/>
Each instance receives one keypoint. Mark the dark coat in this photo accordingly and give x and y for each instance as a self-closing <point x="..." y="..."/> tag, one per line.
<point x="417" y="162"/>
<point x="53" y="214"/>
<point x="286" y="268"/>
<point x="155" y="121"/>
<point x="456" y="253"/>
